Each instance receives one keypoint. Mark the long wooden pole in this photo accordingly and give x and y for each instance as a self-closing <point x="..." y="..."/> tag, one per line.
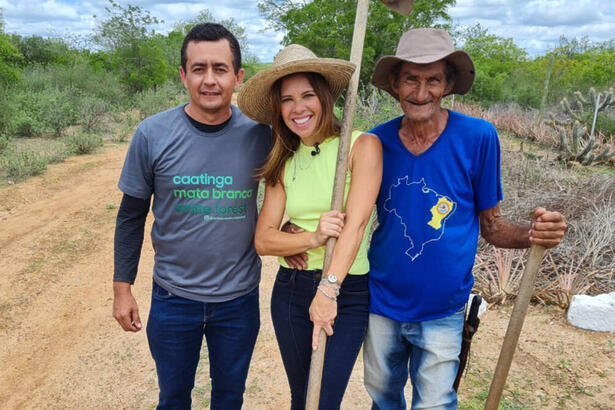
<point x="356" y="53"/>
<point x="526" y="288"/>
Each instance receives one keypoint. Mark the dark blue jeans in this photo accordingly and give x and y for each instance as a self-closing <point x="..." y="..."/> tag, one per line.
<point x="292" y="295"/>
<point x="175" y="331"/>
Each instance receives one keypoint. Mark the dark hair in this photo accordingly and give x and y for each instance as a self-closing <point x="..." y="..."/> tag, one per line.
<point x="212" y="32"/>
<point x="450" y="71"/>
<point x="286" y="142"/>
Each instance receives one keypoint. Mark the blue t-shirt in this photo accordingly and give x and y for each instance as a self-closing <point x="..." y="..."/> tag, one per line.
<point x="422" y="253"/>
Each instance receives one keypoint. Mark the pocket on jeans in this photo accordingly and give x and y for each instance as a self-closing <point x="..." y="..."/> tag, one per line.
<point x="161" y="293"/>
<point x="284" y="276"/>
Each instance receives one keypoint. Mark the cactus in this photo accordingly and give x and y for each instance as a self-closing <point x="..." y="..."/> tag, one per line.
<point x="576" y="143"/>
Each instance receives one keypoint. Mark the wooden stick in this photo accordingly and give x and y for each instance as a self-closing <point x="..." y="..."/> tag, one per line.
<point x="337" y="200"/>
<point x="514" y="327"/>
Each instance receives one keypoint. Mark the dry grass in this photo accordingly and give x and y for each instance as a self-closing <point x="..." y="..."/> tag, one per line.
<point x="500" y="274"/>
<point x="584" y="263"/>
<point x="513" y="119"/>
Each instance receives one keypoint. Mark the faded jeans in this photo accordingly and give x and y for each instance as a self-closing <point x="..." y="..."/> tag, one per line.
<point x="427" y="351"/>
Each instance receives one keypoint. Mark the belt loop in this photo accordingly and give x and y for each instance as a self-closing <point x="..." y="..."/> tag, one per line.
<point x="293" y="276"/>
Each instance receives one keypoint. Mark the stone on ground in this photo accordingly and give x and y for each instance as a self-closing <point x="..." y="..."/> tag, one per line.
<point x="593" y="312"/>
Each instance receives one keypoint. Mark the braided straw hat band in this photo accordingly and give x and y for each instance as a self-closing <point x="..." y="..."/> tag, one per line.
<point x="254" y="98"/>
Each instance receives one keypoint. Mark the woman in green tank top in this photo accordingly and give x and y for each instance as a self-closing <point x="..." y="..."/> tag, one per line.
<point x="297" y="96"/>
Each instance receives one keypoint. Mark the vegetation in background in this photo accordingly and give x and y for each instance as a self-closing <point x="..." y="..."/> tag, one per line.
<point x="10" y="57"/>
<point x="82" y="143"/>
<point x="577" y="139"/>
<point x="131" y="49"/>
<point x="57" y="99"/>
<point x="505" y="73"/>
<point x="325" y="26"/>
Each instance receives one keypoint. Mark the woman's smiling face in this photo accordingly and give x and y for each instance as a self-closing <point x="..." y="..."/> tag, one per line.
<point x="300" y="107"/>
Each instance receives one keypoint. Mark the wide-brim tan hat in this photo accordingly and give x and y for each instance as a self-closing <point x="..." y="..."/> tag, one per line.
<point x="424" y="46"/>
<point x="254" y="98"/>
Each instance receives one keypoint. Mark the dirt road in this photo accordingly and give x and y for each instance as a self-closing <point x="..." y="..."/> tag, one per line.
<point x="60" y="347"/>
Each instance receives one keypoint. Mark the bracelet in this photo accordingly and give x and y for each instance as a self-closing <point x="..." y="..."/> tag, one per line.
<point x="333" y="298"/>
<point x="333" y="286"/>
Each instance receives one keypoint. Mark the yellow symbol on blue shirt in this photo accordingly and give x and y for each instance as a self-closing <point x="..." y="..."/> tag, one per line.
<point x="439" y="211"/>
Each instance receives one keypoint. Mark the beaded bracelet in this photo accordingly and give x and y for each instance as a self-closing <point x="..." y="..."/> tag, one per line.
<point x="330" y="285"/>
<point x="333" y="298"/>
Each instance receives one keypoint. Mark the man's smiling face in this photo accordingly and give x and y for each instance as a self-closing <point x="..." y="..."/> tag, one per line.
<point x="421" y="88"/>
<point x="210" y="76"/>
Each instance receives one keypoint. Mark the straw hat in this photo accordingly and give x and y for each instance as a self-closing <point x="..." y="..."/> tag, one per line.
<point x="254" y="98"/>
<point x="424" y="46"/>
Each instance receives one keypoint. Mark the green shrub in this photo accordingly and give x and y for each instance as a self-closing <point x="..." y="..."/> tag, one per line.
<point x="604" y="123"/>
<point x="4" y="142"/>
<point x="126" y="124"/>
<point x="6" y="108"/>
<point x="23" y="125"/>
<point x="55" y="151"/>
<point x="155" y="100"/>
<point x="20" y="163"/>
<point x="377" y="108"/>
<point x="83" y="143"/>
<point x="91" y="112"/>
<point x="42" y="111"/>
<point x="58" y="111"/>
<point x="80" y="78"/>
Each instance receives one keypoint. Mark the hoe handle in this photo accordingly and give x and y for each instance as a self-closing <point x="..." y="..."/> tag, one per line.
<point x="526" y="289"/>
<point x="337" y="200"/>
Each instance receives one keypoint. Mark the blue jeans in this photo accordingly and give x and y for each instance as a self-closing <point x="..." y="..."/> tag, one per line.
<point x="428" y="351"/>
<point x="292" y="295"/>
<point x="175" y="331"/>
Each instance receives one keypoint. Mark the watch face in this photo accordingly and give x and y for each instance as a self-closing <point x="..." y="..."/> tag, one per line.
<point x="332" y="278"/>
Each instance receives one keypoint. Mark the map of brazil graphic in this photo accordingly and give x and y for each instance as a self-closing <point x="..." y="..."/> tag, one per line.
<point x="421" y="211"/>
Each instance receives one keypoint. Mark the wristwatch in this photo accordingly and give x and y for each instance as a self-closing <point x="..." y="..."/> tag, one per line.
<point x="332" y="279"/>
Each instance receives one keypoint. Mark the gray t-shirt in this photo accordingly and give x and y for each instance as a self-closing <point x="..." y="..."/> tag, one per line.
<point x="204" y="201"/>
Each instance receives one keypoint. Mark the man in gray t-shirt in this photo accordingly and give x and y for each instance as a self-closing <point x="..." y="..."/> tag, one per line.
<point x="198" y="161"/>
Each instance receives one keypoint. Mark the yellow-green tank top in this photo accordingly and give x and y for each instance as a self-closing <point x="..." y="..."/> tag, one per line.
<point x="308" y="182"/>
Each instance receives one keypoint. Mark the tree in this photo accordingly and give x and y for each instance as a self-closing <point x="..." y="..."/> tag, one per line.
<point x="239" y="31"/>
<point x="495" y="59"/>
<point x="43" y="51"/>
<point x="326" y="26"/>
<point x="10" y="57"/>
<point x="132" y="46"/>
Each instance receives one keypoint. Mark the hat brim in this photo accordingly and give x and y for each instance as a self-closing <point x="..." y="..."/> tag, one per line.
<point x="254" y="97"/>
<point x="460" y="59"/>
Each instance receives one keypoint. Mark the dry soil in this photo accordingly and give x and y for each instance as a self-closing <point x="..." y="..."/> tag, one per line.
<point x="60" y="347"/>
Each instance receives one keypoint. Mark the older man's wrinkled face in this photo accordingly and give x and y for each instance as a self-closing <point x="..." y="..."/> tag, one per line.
<point x="421" y="88"/>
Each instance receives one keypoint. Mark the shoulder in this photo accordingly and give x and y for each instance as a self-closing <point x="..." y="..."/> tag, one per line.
<point x="161" y="121"/>
<point x="386" y="128"/>
<point x="249" y="124"/>
<point x="366" y="147"/>
<point x="468" y="123"/>
<point x="362" y="140"/>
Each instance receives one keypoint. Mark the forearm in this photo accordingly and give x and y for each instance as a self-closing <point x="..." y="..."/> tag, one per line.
<point x="129" y="231"/>
<point x="271" y="241"/>
<point x="346" y="249"/>
<point x="500" y="232"/>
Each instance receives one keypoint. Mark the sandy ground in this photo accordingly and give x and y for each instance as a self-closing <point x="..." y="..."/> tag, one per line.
<point x="60" y="347"/>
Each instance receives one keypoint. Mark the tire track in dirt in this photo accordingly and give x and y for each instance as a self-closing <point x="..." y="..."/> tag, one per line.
<point x="57" y="253"/>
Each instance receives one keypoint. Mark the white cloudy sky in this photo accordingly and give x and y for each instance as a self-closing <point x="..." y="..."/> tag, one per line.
<point x="535" y="25"/>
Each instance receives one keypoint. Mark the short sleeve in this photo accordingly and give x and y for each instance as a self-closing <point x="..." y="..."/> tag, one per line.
<point x="487" y="181"/>
<point x="137" y="178"/>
